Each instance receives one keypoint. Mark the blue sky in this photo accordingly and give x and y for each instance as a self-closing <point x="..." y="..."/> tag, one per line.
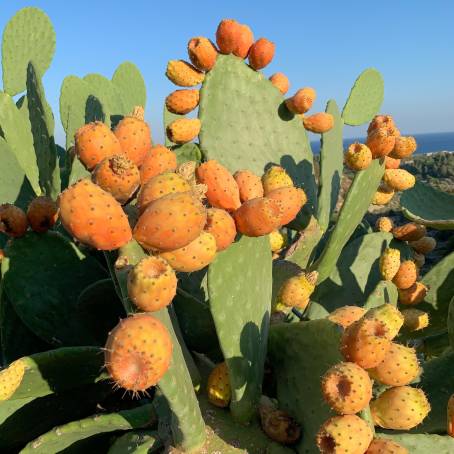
<point x="323" y="44"/>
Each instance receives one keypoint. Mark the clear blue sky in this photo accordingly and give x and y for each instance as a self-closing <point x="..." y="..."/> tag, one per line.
<point x="324" y="44"/>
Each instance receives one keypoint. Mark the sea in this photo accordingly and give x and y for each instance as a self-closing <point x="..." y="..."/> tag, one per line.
<point x="427" y="143"/>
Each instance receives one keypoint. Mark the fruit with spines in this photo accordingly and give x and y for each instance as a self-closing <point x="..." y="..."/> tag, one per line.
<point x="202" y="53"/>
<point x="384" y="446"/>
<point x="183" y="130"/>
<point x="93" y="216"/>
<point x="182" y="102"/>
<point x="277" y="240"/>
<point x="346" y="315"/>
<point x="384" y="224"/>
<point x="347" y="388"/>
<point x="424" y="245"/>
<point x="11" y="378"/>
<point x="381" y="121"/>
<point x="42" y="214"/>
<point x="13" y="220"/>
<point x="380" y="142"/>
<point x="319" y="123"/>
<point x="95" y="142"/>
<point x="400" y="408"/>
<point x="291" y="200"/>
<point x="413" y="295"/>
<point x="281" y="82"/>
<point x="249" y="185"/>
<point x="218" y="386"/>
<point x="278" y="425"/>
<point x="296" y="291"/>
<point x="119" y="176"/>
<point x="382" y="196"/>
<point x="152" y="284"/>
<point x="399" y="179"/>
<point x="183" y="74"/>
<point x="222" y="189"/>
<point x="234" y="38"/>
<point x="406" y="275"/>
<point x="358" y="156"/>
<point x="389" y="315"/>
<point x="138" y="352"/>
<point x="222" y="226"/>
<point x="404" y="147"/>
<point x="389" y="263"/>
<point x="301" y="101"/>
<point x="450" y="415"/>
<point x="409" y="231"/>
<point x="193" y="256"/>
<point x="261" y="53"/>
<point x="415" y="319"/>
<point x="347" y="434"/>
<point x="274" y="178"/>
<point x="391" y="163"/>
<point x="159" y="159"/>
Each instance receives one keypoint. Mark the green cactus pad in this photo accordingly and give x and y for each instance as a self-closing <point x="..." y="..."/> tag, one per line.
<point x="78" y="171"/>
<point x="365" y="99"/>
<point x="428" y="206"/>
<point x="353" y="209"/>
<point x="52" y="262"/>
<point x="28" y="36"/>
<point x="16" y="131"/>
<point x="64" y="436"/>
<point x="384" y="293"/>
<point x="137" y="441"/>
<point x="451" y="323"/>
<point x="301" y="353"/>
<point x="187" y="152"/>
<point x="131" y="85"/>
<point x="423" y="444"/>
<point x="331" y="167"/>
<point x="239" y="286"/>
<point x="245" y="125"/>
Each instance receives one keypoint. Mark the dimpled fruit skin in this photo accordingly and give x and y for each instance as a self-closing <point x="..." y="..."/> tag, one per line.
<point x="406" y="275"/>
<point x="94" y="142"/>
<point x="358" y="156"/>
<point x="249" y="185"/>
<point x="399" y="367"/>
<point x="171" y="222"/>
<point x="383" y="446"/>
<point x="182" y="101"/>
<point x="384" y="224"/>
<point x="319" y="123"/>
<point x="13" y="220"/>
<point x="194" y="256"/>
<point x="160" y="186"/>
<point x="222" y="189"/>
<point x="183" y="74"/>
<point x="202" y="53"/>
<point x="261" y="53"/>
<point x="222" y="226"/>
<point x="277" y="240"/>
<point x="390" y="316"/>
<point x="183" y="130"/>
<point x="389" y="263"/>
<point x="301" y="101"/>
<point x="119" y="176"/>
<point x="93" y="216"/>
<point x="152" y="284"/>
<point x="138" y="352"/>
<point x="291" y="200"/>
<point x="347" y="388"/>
<point x="346" y="315"/>
<point x="409" y="231"/>
<point x="258" y="217"/>
<point x="218" y="386"/>
<point x="134" y="136"/>
<point x="158" y="160"/>
<point x="234" y="38"/>
<point x="380" y="121"/>
<point x="413" y="295"/>
<point x="281" y="82"/>
<point x="11" y="378"/>
<point x="380" y="142"/>
<point x="404" y="147"/>
<point x="347" y="434"/>
<point x="42" y="214"/>
<point x="274" y="178"/>
<point x="296" y="291"/>
<point x="382" y="196"/>
<point x="399" y="179"/>
<point x="424" y="245"/>
<point x="400" y="408"/>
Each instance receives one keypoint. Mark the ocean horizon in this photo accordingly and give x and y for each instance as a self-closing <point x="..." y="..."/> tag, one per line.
<point x="427" y="143"/>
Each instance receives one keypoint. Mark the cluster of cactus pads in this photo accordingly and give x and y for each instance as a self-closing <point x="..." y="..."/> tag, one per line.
<point x="202" y="295"/>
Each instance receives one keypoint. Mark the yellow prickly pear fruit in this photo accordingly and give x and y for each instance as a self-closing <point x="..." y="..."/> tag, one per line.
<point x="183" y="74"/>
<point x="383" y="196"/>
<point x="415" y="320"/>
<point x="413" y="295"/>
<point x="406" y="275"/>
<point x="276" y="177"/>
<point x="183" y="130"/>
<point x="391" y="163"/>
<point x="296" y="291"/>
<point x="451" y="416"/>
<point x="404" y="147"/>
<point x="383" y="446"/>
<point x="424" y="245"/>
<point x="11" y="378"/>
<point x="399" y="179"/>
<point x="389" y="316"/>
<point x="358" y="156"/>
<point x="384" y="224"/>
<point x="346" y="315"/>
<point x="389" y="263"/>
<point x="277" y="240"/>
<point x="218" y="386"/>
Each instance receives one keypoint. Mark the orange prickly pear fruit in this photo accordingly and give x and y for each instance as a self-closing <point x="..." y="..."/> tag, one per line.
<point x="281" y="82"/>
<point x="159" y="159"/>
<point x="222" y="189"/>
<point x="424" y="245"/>
<point x="277" y="240"/>
<point x="344" y="434"/>
<point x="246" y="38"/>
<point x="415" y="320"/>
<point x="400" y="408"/>
<point x="404" y="147"/>
<point x="358" y="156"/>
<point x="391" y="163"/>
<point x="399" y="367"/>
<point x="261" y="53"/>
<point x="291" y="200"/>
<point x="119" y="176"/>
<point x="218" y="386"/>
<point x="183" y="130"/>
<point x="11" y="378"/>
<point x="249" y="185"/>
<point x="383" y="196"/>
<point x="13" y="220"/>
<point x="398" y="179"/>
<point x="383" y="446"/>
<point x="389" y="263"/>
<point x="384" y="224"/>
<point x="258" y="217"/>
<point x="450" y="411"/>
<point x="347" y="388"/>
<point x="319" y="123"/>
<point x="42" y="214"/>
<point x="93" y="216"/>
<point x="346" y="315"/>
<point x="301" y="101"/>
<point x="182" y="101"/>
<point x="381" y="121"/>
<point x="274" y="178"/>
<point x="413" y="295"/>
<point x="183" y="74"/>
<point x="409" y="232"/>
<point x="234" y="38"/>
<point x="202" y="53"/>
<point x="406" y="275"/>
<point x="160" y="186"/>
<point x="389" y="316"/>
<point x="222" y="226"/>
<point x="381" y="142"/>
<point x="152" y="284"/>
<point x="296" y="291"/>
<point x="194" y="256"/>
<point x="134" y="136"/>
<point x="94" y="142"/>
<point x="138" y="352"/>
<point x="171" y="222"/>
